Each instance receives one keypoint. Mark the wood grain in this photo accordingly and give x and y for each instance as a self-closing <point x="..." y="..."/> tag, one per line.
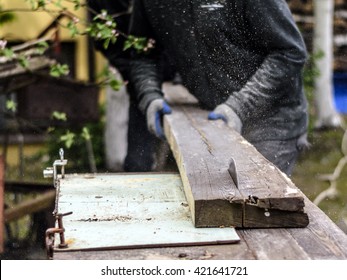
<point x="321" y="239"/>
<point x="203" y="149"/>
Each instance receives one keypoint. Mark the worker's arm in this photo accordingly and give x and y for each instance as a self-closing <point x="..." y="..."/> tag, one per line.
<point x="146" y="74"/>
<point x="272" y="30"/>
<point x="145" y="67"/>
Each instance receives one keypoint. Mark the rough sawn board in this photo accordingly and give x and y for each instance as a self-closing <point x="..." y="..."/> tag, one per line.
<point x="265" y="197"/>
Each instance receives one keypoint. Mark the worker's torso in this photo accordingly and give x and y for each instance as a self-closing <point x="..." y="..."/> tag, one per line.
<point x="216" y="53"/>
<point x="209" y="43"/>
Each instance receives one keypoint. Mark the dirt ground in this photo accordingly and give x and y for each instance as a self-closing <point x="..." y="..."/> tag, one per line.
<point x="321" y="159"/>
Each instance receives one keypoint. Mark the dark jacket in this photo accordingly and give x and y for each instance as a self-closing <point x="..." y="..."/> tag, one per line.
<point x="114" y="53"/>
<point x="247" y="53"/>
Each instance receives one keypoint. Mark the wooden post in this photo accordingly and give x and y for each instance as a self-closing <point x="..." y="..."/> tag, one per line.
<point x="2" y="187"/>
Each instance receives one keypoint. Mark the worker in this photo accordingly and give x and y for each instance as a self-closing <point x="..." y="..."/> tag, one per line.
<point x="141" y="143"/>
<point x="242" y="60"/>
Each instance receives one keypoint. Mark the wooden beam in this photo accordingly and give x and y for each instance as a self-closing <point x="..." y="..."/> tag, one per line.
<point x="27" y="187"/>
<point x="13" y="69"/>
<point x="320" y="240"/>
<point x="265" y="196"/>
<point x="30" y="206"/>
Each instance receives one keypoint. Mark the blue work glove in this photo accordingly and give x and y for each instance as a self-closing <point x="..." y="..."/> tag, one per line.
<point x="155" y="111"/>
<point x="225" y="113"/>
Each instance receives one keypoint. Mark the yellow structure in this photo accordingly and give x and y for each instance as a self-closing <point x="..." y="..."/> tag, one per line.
<point x="27" y="26"/>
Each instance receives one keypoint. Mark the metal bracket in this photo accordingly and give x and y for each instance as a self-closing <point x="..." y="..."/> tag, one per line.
<point x="50" y="235"/>
<point x="52" y="172"/>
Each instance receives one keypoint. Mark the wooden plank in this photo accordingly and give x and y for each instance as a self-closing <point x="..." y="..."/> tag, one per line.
<point x="322" y="239"/>
<point x="207" y="185"/>
<point x="273" y="244"/>
<point x="202" y="150"/>
<point x="208" y="252"/>
<point x="257" y="217"/>
<point x="29" y="206"/>
<point x="27" y="187"/>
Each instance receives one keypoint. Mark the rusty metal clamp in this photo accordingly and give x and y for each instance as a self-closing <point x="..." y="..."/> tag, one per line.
<point x="50" y="235"/>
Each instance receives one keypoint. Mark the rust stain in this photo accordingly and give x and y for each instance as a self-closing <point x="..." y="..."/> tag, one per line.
<point x="89" y="176"/>
<point x="107" y="219"/>
<point x="70" y="241"/>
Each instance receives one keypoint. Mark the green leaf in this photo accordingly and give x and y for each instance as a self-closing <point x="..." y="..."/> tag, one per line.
<point x="115" y="84"/>
<point x="9" y="53"/>
<point x="58" y="70"/>
<point x="72" y="28"/>
<point x="41" y="47"/>
<point x="23" y="61"/>
<point x="61" y="116"/>
<point x="37" y="4"/>
<point x="77" y="5"/>
<point x="86" y="134"/>
<point x="68" y="139"/>
<point x="106" y="43"/>
<point x="11" y="106"/>
<point x="140" y="44"/>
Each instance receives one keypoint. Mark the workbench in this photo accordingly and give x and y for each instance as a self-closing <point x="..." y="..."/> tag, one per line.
<point x="321" y="239"/>
<point x="273" y="219"/>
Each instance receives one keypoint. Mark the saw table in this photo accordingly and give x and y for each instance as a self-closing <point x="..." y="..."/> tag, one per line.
<point x="212" y="209"/>
<point x="146" y="216"/>
<point x="127" y="211"/>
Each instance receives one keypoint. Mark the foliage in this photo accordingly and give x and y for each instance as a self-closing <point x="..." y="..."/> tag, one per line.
<point x="11" y="105"/>
<point x="58" y="70"/>
<point x="60" y="116"/>
<point x="74" y="141"/>
<point x="311" y="71"/>
<point x="139" y="44"/>
<point x="109" y="75"/>
<point x="322" y="158"/>
<point x="102" y="27"/>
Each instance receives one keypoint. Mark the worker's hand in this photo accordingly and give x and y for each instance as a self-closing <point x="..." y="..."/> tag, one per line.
<point x="155" y="111"/>
<point x="225" y="113"/>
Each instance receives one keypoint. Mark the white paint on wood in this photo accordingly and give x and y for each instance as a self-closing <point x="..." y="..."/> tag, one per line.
<point x="144" y="210"/>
